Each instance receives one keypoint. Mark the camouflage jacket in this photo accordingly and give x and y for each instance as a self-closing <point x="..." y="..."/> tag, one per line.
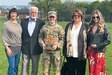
<point x="52" y="34"/>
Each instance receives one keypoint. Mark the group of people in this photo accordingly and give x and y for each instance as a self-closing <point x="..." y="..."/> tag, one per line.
<point x="78" y="42"/>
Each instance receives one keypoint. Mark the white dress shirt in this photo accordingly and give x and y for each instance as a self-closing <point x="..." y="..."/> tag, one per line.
<point x="31" y="26"/>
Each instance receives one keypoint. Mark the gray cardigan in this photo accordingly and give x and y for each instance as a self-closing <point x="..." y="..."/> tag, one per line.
<point x="81" y="41"/>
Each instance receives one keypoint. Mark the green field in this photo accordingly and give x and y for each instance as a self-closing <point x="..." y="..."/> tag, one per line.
<point x="4" y="62"/>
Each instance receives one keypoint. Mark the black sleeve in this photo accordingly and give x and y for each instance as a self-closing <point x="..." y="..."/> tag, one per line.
<point x="106" y="38"/>
<point x="22" y="22"/>
<point x="65" y="41"/>
<point x="42" y="23"/>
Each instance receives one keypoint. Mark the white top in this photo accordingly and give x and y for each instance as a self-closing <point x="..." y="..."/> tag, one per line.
<point x="74" y="38"/>
<point x="31" y="26"/>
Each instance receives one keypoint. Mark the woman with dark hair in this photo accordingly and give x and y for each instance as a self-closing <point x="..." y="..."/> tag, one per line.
<point x="98" y="39"/>
<point x="11" y="37"/>
<point x="74" y="48"/>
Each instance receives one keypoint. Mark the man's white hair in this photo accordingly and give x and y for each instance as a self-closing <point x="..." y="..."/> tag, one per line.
<point x="33" y="7"/>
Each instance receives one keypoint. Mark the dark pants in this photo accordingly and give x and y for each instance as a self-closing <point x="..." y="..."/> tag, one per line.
<point x="26" y="64"/>
<point x="76" y="66"/>
<point x="13" y="64"/>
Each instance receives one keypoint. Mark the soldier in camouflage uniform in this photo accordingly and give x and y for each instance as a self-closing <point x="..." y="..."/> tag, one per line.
<point x="51" y="39"/>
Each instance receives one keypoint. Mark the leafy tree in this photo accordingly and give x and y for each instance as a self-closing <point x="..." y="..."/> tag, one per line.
<point x="46" y="5"/>
<point x="66" y="8"/>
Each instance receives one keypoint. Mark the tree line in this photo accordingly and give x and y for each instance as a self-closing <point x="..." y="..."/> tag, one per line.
<point x="65" y="8"/>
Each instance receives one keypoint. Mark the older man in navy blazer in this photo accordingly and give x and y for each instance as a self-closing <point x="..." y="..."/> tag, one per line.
<point x="30" y="46"/>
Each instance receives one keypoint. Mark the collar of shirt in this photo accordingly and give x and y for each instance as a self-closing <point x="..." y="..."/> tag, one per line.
<point x="30" y="19"/>
<point x="78" y="28"/>
<point x="31" y="26"/>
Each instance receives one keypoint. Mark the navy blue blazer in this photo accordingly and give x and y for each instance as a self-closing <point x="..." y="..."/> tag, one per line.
<point x="30" y="44"/>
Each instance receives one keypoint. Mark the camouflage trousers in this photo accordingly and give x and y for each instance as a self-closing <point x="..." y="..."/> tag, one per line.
<point x="53" y="58"/>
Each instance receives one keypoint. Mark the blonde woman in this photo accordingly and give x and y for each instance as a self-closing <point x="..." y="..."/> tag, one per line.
<point x="98" y="39"/>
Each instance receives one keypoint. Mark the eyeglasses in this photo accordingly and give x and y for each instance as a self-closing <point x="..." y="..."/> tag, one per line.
<point x="77" y="16"/>
<point x="97" y="17"/>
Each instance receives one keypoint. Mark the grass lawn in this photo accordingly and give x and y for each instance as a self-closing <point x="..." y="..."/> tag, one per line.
<point x="4" y="63"/>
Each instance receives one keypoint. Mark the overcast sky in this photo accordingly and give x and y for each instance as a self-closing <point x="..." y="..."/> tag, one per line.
<point x="14" y="2"/>
<point x="25" y="2"/>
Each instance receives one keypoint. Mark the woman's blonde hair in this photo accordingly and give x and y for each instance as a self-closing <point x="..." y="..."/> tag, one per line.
<point x="101" y="22"/>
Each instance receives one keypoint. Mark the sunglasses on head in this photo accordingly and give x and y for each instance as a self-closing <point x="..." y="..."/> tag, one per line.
<point x="95" y="17"/>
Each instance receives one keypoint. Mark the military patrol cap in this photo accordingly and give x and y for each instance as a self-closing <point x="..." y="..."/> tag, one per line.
<point x="52" y="13"/>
